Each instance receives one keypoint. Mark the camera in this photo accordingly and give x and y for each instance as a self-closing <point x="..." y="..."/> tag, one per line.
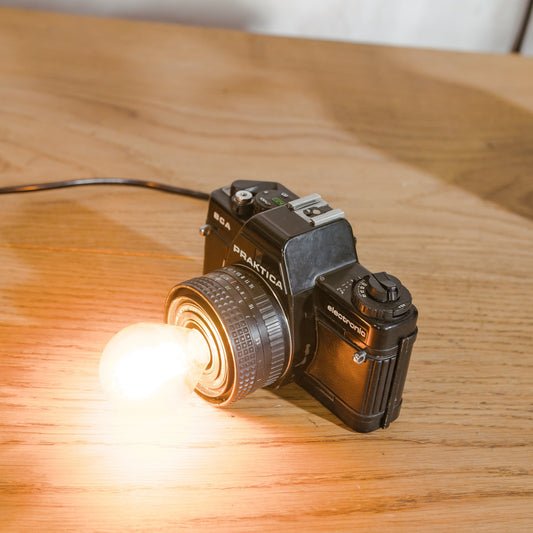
<point x="283" y="297"/>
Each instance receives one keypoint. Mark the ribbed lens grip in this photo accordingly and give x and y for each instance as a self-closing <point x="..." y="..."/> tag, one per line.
<point x="251" y="324"/>
<point x="273" y="323"/>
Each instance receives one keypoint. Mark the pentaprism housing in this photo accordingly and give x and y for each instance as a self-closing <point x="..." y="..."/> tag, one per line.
<point x="283" y="297"/>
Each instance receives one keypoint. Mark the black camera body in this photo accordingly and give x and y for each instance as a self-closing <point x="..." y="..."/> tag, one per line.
<point x="287" y="299"/>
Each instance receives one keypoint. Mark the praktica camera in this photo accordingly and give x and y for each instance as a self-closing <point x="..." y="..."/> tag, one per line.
<point x="283" y="297"/>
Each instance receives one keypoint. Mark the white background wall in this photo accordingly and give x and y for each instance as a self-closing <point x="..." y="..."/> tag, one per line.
<point x="470" y="25"/>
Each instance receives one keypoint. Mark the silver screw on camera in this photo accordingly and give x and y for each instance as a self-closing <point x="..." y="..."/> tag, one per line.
<point x="359" y="357"/>
<point x="205" y="230"/>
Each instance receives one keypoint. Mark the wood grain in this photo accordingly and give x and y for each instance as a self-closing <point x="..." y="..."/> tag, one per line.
<point x="430" y="156"/>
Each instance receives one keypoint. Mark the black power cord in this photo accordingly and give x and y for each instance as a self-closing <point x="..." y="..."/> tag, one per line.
<point x="104" y="181"/>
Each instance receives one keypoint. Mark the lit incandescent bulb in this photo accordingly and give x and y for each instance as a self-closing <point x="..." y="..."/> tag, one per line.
<point x="142" y="360"/>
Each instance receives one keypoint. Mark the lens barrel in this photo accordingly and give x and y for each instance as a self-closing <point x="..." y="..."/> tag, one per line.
<point x="244" y="325"/>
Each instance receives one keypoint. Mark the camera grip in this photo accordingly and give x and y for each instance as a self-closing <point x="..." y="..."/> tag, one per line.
<point x="365" y="396"/>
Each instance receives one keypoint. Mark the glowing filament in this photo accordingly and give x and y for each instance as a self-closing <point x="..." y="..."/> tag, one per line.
<point x="141" y="360"/>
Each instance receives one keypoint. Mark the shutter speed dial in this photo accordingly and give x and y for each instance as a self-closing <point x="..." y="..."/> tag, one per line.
<point x="381" y="296"/>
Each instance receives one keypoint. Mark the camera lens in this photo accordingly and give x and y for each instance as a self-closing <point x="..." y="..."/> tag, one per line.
<point x="244" y="325"/>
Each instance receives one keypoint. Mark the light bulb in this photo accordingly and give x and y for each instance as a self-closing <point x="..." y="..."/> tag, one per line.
<point x="142" y="360"/>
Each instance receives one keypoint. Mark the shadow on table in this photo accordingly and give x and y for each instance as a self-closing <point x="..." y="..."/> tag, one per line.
<point x="301" y="399"/>
<point x="458" y="133"/>
<point x="73" y="265"/>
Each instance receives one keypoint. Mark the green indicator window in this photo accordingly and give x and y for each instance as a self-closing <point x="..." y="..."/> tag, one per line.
<point x="278" y="201"/>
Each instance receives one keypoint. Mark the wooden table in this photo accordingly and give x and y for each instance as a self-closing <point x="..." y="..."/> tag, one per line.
<point x="430" y="155"/>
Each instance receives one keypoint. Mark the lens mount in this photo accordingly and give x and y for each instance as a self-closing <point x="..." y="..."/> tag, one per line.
<point x="244" y="325"/>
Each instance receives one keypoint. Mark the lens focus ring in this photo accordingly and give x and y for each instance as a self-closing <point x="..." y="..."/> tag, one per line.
<point x="253" y="337"/>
